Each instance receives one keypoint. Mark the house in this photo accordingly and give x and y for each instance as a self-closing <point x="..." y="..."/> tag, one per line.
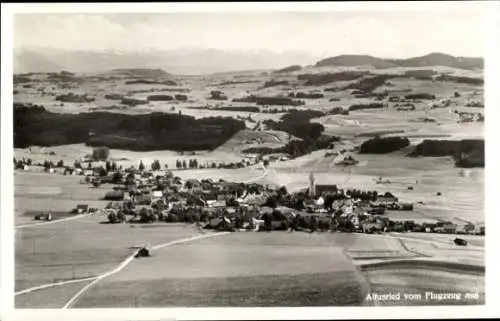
<point x="321" y="189"/>
<point x="387" y="198"/>
<point x="216" y="203"/>
<point x="107" y="179"/>
<point x="445" y="227"/>
<point x="265" y="210"/>
<point x="81" y="208"/>
<point x="405" y="206"/>
<point x="156" y="195"/>
<point x="143" y="199"/>
<point x="222" y="197"/>
<point x="479" y="230"/>
<point x="86" y="159"/>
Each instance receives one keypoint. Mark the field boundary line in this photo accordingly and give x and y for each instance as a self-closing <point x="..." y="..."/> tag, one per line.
<point x="433" y="240"/>
<point x="430" y="241"/>
<point x="51" y="222"/>
<point x="266" y="171"/>
<point x="197" y="237"/>
<point x="49" y="285"/>
<point x="130" y="259"/>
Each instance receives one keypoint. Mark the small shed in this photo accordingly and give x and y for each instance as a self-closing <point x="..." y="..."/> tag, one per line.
<point x="82" y="208"/>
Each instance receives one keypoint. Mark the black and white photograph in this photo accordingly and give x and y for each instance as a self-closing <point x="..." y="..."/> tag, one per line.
<point x="253" y="159"/>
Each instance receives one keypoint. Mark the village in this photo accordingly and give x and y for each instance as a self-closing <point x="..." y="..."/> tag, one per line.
<point x="140" y="195"/>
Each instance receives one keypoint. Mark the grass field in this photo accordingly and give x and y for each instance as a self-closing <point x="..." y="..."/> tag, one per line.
<point x="81" y="248"/>
<point x="50" y="298"/>
<point x="241" y="269"/>
<point x="38" y="192"/>
<point x="235" y="269"/>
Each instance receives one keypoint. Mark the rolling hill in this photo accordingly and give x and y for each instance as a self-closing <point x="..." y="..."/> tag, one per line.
<point x="432" y="59"/>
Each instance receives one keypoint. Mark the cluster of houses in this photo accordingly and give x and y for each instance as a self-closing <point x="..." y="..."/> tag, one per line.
<point x="146" y="196"/>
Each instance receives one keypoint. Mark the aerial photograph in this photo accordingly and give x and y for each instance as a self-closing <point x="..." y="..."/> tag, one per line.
<point x="248" y="159"/>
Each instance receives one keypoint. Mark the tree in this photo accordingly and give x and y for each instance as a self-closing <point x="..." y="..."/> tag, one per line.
<point x="155" y="166"/>
<point x="141" y="166"/>
<point x="117" y="177"/>
<point x="178" y="164"/>
<point x="130" y="179"/>
<point x="184" y="164"/>
<point x="113" y="166"/>
<point x="282" y="190"/>
<point x="29" y="162"/>
<point x="77" y="164"/>
<point x="46" y="165"/>
<point x="60" y="163"/>
<point x="232" y="202"/>
<point x="329" y="199"/>
<point x="266" y="162"/>
<point x="272" y="202"/>
<point x="169" y="175"/>
<point x="100" y="153"/>
<point x="102" y="171"/>
<point x="108" y="166"/>
<point x="195" y="163"/>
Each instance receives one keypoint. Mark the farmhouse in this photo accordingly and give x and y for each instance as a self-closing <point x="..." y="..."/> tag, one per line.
<point x="322" y="189"/>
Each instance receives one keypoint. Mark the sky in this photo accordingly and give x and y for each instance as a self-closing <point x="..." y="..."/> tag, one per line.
<point x="395" y="34"/>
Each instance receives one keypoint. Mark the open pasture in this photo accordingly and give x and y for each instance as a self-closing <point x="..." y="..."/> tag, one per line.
<point x="260" y="269"/>
<point x="82" y="248"/>
<point x="237" y="269"/>
<point x="39" y="192"/>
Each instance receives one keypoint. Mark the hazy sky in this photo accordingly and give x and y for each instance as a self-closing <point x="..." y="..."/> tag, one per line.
<point x="383" y="34"/>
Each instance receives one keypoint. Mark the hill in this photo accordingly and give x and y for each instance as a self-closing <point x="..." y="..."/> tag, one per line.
<point x="355" y="60"/>
<point x="432" y="59"/>
<point x="141" y="72"/>
<point x="29" y="61"/>
<point x="439" y="59"/>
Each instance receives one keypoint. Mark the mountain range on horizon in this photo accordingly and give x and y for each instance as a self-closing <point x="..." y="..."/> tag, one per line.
<point x="192" y="61"/>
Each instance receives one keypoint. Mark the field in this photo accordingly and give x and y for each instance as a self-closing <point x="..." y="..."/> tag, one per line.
<point x="236" y="269"/>
<point x="462" y="190"/>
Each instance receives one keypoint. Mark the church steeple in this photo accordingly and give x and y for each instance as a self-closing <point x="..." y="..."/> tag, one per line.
<point x="312" y="187"/>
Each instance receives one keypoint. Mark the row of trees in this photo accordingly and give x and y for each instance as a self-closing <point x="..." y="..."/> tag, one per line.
<point x="155" y="166"/>
<point x="193" y="163"/>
